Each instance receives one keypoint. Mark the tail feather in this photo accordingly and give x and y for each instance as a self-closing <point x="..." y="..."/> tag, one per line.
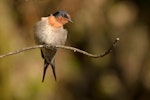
<point x="42" y="54"/>
<point x="53" y="69"/>
<point x="45" y="68"/>
<point x="47" y="61"/>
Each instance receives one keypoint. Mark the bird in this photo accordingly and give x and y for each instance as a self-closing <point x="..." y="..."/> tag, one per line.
<point x="50" y="31"/>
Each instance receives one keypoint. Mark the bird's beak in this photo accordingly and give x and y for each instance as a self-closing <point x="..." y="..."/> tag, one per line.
<point x="70" y="20"/>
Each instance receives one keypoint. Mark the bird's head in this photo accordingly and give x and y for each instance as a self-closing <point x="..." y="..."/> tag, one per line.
<point x="59" y="18"/>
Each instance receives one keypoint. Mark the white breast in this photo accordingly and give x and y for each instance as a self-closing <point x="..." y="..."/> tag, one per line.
<point x="45" y="34"/>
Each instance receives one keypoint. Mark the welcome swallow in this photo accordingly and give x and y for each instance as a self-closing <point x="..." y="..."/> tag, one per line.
<point x="49" y="30"/>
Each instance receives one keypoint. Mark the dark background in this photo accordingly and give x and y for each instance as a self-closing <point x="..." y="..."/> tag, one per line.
<point x="122" y="75"/>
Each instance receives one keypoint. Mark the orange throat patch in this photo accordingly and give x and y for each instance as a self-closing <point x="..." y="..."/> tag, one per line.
<point x="56" y="22"/>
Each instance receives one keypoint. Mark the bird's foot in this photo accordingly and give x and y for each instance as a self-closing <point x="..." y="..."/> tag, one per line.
<point x="49" y="46"/>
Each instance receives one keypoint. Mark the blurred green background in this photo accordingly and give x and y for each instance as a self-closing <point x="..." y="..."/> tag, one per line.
<point x="122" y="75"/>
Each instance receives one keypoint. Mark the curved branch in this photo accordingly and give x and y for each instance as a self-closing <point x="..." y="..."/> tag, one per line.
<point x="63" y="47"/>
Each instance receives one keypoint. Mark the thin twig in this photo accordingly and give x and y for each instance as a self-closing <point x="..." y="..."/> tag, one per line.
<point x="63" y="47"/>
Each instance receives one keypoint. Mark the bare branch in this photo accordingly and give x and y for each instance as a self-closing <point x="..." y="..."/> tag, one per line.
<point x="63" y="47"/>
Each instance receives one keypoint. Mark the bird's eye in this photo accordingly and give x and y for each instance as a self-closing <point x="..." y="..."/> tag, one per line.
<point x="65" y="16"/>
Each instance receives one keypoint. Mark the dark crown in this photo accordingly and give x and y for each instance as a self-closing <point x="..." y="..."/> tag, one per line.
<point x="60" y="13"/>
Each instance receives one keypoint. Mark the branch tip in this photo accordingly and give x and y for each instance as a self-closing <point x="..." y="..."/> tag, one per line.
<point x="117" y="39"/>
